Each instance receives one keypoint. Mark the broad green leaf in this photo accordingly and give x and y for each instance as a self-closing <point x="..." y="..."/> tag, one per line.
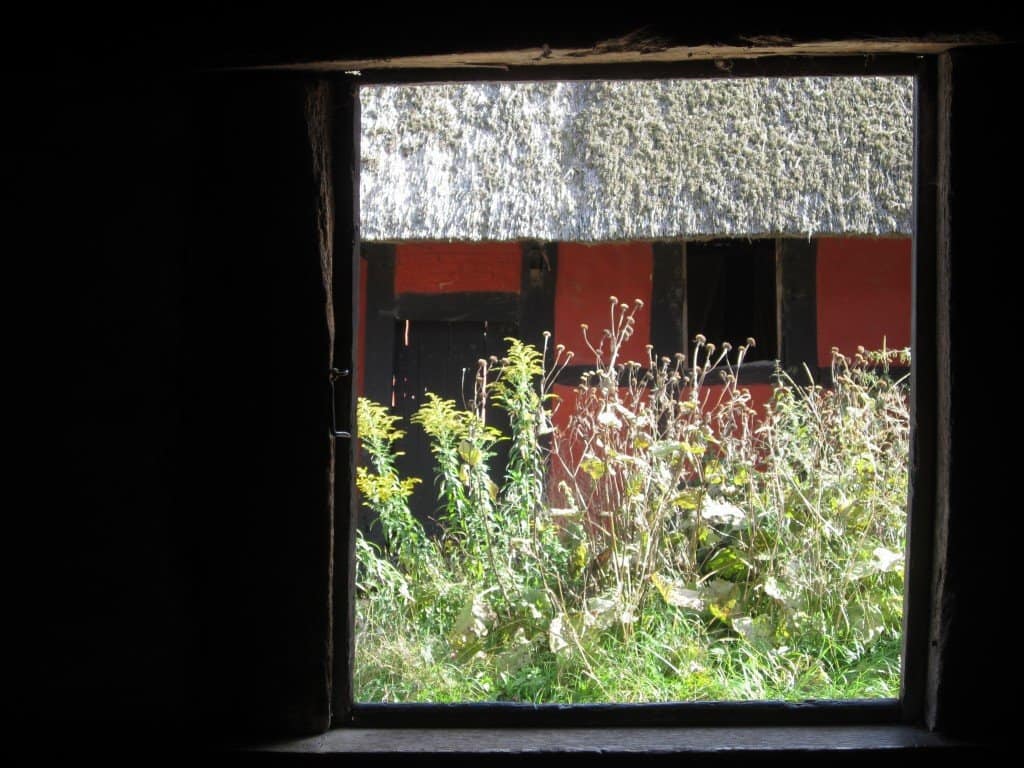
<point x="473" y="621"/>
<point x="667" y="448"/>
<point x="756" y="631"/>
<point x="600" y="613"/>
<point x="722" y="512"/>
<point x="772" y="589"/>
<point x="510" y="661"/>
<point x="676" y="594"/>
<point x="727" y="564"/>
<point x="720" y="598"/>
<point x="887" y="561"/>
<point x="469" y="453"/>
<point x="713" y="473"/>
<point x="562" y="634"/>
<point x="688" y="499"/>
<point x="594" y="467"/>
<point x="866" y="620"/>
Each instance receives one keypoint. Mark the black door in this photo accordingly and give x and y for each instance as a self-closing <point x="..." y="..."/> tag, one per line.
<point x="441" y="357"/>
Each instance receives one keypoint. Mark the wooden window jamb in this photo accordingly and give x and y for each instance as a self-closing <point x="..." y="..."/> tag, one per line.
<point x="919" y="600"/>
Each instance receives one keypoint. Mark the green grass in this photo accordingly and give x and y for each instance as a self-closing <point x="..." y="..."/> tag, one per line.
<point x="672" y="660"/>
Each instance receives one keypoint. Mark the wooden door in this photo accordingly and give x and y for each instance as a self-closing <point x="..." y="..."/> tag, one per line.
<point x="441" y="357"/>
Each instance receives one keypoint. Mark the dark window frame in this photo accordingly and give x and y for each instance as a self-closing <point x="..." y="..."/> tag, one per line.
<point x="909" y="708"/>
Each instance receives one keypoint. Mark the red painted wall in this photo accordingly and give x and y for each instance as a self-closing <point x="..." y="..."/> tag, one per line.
<point x="863" y="294"/>
<point x="587" y="276"/>
<point x="457" y="267"/>
<point x="863" y="289"/>
<point x="571" y="450"/>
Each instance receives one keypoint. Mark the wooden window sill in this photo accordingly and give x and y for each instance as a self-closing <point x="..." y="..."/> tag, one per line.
<point x="881" y="740"/>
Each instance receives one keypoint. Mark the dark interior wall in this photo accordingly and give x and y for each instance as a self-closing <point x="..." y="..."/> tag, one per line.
<point x="176" y="547"/>
<point x="173" y="358"/>
<point x="97" y="172"/>
<point x="256" y="448"/>
<point x="983" y="198"/>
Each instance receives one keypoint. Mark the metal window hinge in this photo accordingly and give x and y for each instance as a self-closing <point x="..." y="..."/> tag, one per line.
<point x="333" y="375"/>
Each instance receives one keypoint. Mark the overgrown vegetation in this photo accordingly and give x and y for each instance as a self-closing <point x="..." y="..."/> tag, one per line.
<point x="669" y="542"/>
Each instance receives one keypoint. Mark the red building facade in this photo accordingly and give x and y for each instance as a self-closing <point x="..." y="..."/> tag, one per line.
<point x="429" y="311"/>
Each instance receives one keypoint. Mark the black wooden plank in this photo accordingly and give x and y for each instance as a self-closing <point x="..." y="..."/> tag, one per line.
<point x="798" y="308"/>
<point x="768" y="66"/>
<point x="472" y="306"/>
<point x="537" y="292"/>
<point x="668" y="299"/>
<point x="918" y="604"/>
<point x="378" y="337"/>
<point x="346" y="130"/>
<point x="714" y="713"/>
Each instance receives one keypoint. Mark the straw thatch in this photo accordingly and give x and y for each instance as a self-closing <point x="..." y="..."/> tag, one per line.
<point x="635" y="160"/>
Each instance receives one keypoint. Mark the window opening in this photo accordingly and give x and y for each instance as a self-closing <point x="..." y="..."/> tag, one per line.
<point x="496" y="579"/>
<point x="730" y="294"/>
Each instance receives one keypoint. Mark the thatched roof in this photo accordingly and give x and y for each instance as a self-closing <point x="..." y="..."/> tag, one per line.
<point x="635" y="160"/>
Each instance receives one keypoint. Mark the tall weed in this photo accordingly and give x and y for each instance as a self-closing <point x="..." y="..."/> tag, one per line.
<point x="670" y="541"/>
